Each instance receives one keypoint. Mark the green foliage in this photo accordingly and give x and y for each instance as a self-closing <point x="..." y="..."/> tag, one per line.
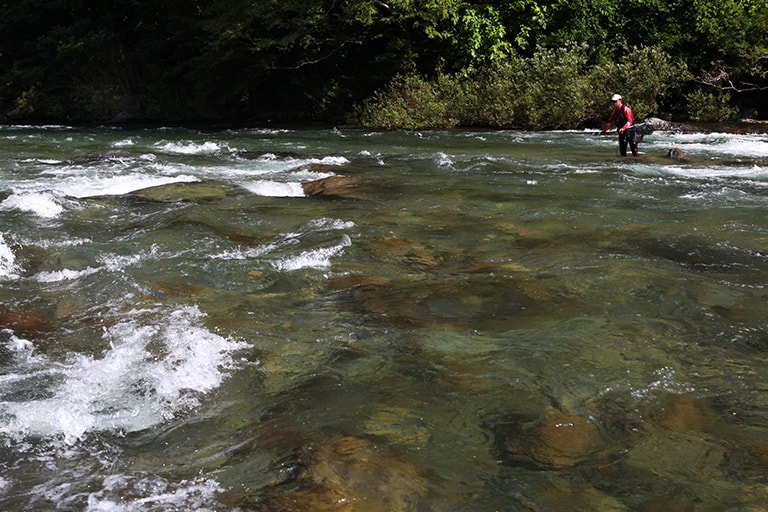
<point x="478" y="37"/>
<point x="522" y="63"/>
<point x="556" y="85"/>
<point x="553" y="89"/>
<point x="411" y="102"/>
<point x="644" y="76"/>
<point x="708" y="107"/>
<point x="27" y="101"/>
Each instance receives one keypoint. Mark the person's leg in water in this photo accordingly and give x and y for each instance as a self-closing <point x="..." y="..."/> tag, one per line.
<point x="632" y="140"/>
<point x="623" y="143"/>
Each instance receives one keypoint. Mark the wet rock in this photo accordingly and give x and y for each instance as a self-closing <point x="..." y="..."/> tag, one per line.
<point x="23" y="322"/>
<point x="184" y="192"/>
<point x="661" y="125"/>
<point x="338" y="186"/>
<point x="559" y="441"/>
<point x="412" y="254"/>
<point x="678" y="456"/>
<point x="30" y="259"/>
<point x="398" y="425"/>
<point x="109" y="156"/>
<point x="349" y="474"/>
<point x="668" y="504"/>
<point x="478" y="301"/>
<point x="355" y="280"/>
<point x="178" y="290"/>
<point x="682" y="413"/>
<point x="677" y="154"/>
<point x="559" y="496"/>
<point x="656" y="124"/>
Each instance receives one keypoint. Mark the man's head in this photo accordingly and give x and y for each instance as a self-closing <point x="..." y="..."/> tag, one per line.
<point x="616" y="99"/>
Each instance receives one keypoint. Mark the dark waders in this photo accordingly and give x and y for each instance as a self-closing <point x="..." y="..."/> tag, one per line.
<point x="629" y="136"/>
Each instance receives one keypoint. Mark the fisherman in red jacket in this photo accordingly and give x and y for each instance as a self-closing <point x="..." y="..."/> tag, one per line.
<point x="622" y="118"/>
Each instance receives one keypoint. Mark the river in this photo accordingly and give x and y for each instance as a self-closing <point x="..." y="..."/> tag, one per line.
<point x="341" y="319"/>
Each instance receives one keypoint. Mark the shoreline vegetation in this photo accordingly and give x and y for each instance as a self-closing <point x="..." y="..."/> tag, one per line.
<point x="400" y="64"/>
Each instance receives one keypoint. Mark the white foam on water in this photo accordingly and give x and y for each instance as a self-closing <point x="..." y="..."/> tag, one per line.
<point x="123" y="143"/>
<point x="269" y="188"/>
<point x="444" y="160"/>
<point x="189" y="147"/>
<point x="64" y="275"/>
<point x="749" y="173"/>
<point x="288" y="239"/>
<point x="119" y="495"/>
<point x="329" y="224"/>
<point x="158" y="364"/>
<point x="50" y="197"/>
<point x="319" y="258"/>
<point x="330" y="160"/>
<point x="286" y="184"/>
<point x="117" y="185"/>
<point x="250" y="252"/>
<point x="8" y="267"/>
<point x="754" y="174"/>
<point x="729" y="144"/>
<point x="42" y="204"/>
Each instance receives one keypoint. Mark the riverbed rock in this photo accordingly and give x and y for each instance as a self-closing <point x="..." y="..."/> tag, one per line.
<point x="25" y="322"/>
<point x="347" y="474"/>
<point x="682" y="413"/>
<point x="399" y="425"/>
<point x="334" y="186"/>
<point x="558" y="441"/>
<point x="677" y="154"/>
<point x="561" y="496"/>
<point x="678" y="456"/>
<point x="184" y="192"/>
<point x="118" y="155"/>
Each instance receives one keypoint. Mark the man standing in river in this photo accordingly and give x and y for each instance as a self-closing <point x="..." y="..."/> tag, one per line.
<point x="622" y="118"/>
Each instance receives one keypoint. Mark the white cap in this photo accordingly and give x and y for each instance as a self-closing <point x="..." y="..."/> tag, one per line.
<point x="616" y="97"/>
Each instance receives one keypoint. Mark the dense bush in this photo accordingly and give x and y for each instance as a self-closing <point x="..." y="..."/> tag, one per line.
<point x="709" y="107"/>
<point x="553" y="89"/>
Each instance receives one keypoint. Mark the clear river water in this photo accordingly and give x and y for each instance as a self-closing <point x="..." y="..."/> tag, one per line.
<point x="325" y="319"/>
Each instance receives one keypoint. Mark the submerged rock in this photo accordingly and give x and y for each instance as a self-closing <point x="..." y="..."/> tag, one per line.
<point x="25" y="322"/>
<point x="462" y="300"/>
<point x="561" y="496"/>
<point x="342" y="186"/>
<point x="678" y="456"/>
<point x="559" y="441"/>
<point x="682" y="413"/>
<point x="118" y="155"/>
<point x="191" y="192"/>
<point x="346" y="474"/>
<point x="399" y="425"/>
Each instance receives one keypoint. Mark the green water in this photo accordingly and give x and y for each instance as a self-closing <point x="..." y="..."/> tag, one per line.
<point x="473" y="321"/>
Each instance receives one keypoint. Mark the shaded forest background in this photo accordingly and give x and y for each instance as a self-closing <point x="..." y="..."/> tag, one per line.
<point x="531" y="64"/>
